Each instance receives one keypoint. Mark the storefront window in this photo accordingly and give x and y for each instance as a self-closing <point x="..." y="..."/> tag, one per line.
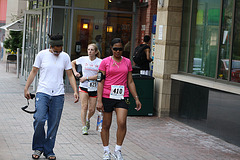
<point x="100" y="28"/>
<point x="224" y="50"/>
<point x="204" y="37"/>
<point x="185" y="36"/>
<point x="200" y="56"/>
<point x="235" y="70"/>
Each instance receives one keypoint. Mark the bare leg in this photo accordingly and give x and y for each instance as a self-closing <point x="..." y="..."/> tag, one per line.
<point x="107" y="120"/>
<point x="122" y="124"/>
<point x="84" y="107"/>
<point x="92" y="106"/>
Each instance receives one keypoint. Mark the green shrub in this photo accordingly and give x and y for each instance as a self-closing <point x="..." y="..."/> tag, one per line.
<point x="14" y="41"/>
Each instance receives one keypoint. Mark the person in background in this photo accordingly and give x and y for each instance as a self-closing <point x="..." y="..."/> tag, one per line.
<point x="113" y="94"/>
<point x="127" y="49"/>
<point x="98" y="40"/>
<point x="146" y="59"/>
<point x="50" y="95"/>
<point x="88" y="84"/>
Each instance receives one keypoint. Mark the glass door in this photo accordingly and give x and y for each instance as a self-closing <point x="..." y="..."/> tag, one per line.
<point x="31" y="42"/>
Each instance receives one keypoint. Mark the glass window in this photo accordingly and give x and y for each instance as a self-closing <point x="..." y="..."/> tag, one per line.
<point x="224" y="50"/>
<point x="33" y="4"/>
<point x="185" y="36"/>
<point x="45" y="28"/>
<point x="62" y="2"/>
<point x="100" y="28"/>
<point x="120" y="5"/>
<point x="40" y="3"/>
<point x="204" y="37"/>
<point x="235" y="71"/>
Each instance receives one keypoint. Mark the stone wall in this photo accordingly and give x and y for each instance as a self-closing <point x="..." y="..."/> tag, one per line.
<point x="166" y="59"/>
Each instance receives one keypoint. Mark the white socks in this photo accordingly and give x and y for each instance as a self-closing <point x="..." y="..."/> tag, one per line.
<point x="106" y="149"/>
<point x="118" y="148"/>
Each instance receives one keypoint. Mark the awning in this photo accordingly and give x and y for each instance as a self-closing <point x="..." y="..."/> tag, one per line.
<point x="15" y="26"/>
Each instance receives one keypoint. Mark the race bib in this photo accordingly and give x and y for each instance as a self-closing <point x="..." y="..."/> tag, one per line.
<point x="92" y="86"/>
<point x="117" y="92"/>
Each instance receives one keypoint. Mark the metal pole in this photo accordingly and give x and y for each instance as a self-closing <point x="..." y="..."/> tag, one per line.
<point x="18" y="56"/>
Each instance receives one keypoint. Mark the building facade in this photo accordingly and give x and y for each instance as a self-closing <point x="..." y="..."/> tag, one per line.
<point x="197" y="65"/>
<point x="81" y="23"/>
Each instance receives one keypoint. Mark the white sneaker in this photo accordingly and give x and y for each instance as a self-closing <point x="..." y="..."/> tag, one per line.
<point x="118" y="155"/>
<point x="107" y="156"/>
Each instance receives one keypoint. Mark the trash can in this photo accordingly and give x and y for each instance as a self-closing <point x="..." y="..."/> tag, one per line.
<point x="144" y="86"/>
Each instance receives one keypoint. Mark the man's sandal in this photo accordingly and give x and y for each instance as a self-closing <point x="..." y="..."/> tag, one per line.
<point x="36" y="154"/>
<point x="51" y="157"/>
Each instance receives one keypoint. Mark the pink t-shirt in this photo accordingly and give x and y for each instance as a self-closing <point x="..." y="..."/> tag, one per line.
<point x="116" y="74"/>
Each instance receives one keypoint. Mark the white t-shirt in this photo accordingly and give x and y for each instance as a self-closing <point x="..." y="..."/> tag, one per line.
<point x="51" y="71"/>
<point x="89" y="68"/>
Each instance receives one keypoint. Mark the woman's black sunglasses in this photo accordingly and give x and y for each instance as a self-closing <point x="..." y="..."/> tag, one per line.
<point x="117" y="49"/>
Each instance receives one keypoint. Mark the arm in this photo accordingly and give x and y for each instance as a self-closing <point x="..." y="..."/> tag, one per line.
<point x="147" y="51"/>
<point x="132" y="88"/>
<point x="74" y="68"/>
<point x="99" y="94"/>
<point x="82" y="79"/>
<point x="30" y="79"/>
<point x="73" y="84"/>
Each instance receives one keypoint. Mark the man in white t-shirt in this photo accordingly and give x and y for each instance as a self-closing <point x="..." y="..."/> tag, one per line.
<point x="50" y="95"/>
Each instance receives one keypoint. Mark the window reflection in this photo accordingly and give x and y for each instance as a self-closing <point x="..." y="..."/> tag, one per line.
<point x="204" y="38"/>
<point x="224" y="68"/>
<point x="224" y="51"/>
<point x="185" y="36"/>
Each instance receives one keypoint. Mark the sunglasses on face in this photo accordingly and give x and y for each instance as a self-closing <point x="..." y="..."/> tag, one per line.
<point x="117" y="49"/>
<point x="56" y="52"/>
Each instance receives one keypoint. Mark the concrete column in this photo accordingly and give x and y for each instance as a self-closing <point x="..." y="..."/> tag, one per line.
<point x="166" y="58"/>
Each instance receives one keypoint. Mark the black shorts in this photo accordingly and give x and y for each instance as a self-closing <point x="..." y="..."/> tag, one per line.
<point x="110" y="104"/>
<point x="90" y="93"/>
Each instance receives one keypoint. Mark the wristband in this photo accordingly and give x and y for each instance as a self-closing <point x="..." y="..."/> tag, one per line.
<point x="87" y="77"/>
<point x="135" y="97"/>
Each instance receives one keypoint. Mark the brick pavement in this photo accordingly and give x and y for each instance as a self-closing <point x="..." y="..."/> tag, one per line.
<point x="147" y="137"/>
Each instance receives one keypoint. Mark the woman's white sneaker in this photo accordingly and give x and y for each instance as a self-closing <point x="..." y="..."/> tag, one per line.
<point x="107" y="156"/>
<point x="118" y="155"/>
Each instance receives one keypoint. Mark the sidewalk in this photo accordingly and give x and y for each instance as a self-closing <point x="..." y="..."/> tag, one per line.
<point x="148" y="138"/>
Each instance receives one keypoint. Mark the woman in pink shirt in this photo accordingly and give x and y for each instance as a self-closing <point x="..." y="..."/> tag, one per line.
<point x="113" y="94"/>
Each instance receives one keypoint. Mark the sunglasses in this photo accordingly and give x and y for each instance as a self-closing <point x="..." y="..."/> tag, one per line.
<point x="25" y="107"/>
<point x="117" y="49"/>
<point x="56" y="52"/>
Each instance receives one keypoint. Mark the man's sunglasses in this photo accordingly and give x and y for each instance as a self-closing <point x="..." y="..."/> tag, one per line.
<point x="117" y="49"/>
<point x="25" y="107"/>
<point x="56" y="52"/>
